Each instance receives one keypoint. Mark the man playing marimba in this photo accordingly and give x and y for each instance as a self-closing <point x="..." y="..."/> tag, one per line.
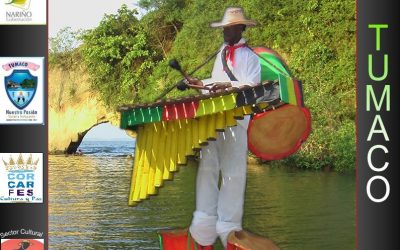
<point x="219" y="211"/>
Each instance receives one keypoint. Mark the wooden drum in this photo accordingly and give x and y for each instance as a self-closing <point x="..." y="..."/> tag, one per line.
<point x="276" y="134"/>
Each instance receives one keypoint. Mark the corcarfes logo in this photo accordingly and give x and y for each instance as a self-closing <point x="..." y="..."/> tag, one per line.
<point x="22" y="175"/>
<point x="23" y="4"/>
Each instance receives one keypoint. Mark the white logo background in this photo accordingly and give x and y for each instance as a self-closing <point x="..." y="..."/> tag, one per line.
<point x="38" y="179"/>
<point x="37" y="9"/>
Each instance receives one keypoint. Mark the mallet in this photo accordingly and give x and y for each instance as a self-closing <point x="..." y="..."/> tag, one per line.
<point x="183" y="86"/>
<point x="175" y="65"/>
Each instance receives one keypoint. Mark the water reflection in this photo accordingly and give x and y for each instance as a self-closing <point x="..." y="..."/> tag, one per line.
<point x="303" y="209"/>
<point x="298" y="209"/>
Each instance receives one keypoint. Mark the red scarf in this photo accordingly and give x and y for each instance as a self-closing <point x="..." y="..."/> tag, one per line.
<point x="230" y="55"/>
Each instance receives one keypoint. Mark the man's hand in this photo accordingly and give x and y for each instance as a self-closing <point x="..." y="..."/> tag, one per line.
<point x="194" y="81"/>
<point x="217" y="87"/>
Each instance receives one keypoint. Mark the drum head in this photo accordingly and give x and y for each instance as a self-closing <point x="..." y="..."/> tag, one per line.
<point x="278" y="133"/>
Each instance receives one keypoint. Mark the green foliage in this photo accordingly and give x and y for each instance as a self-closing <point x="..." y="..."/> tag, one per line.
<point x="342" y="147"/>
<point x="118" y="57"/>
<point x="331" y="148"/>
<point x="63" y="49"/>
<point x="128" y="59"/>
<point x="28" y="83"/>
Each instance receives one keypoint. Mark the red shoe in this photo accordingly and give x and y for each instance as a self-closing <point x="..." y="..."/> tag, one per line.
<point x="243" y="240"/>
<point x="179" y="240"/>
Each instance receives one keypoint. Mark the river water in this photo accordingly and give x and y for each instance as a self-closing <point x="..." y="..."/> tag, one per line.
<point x="88" y="204"/>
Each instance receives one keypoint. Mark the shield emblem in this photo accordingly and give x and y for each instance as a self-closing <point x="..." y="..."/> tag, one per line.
<point x="21" y="87"/>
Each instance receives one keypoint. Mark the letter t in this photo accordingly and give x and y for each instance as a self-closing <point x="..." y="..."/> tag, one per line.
<point x="378" y="28"/>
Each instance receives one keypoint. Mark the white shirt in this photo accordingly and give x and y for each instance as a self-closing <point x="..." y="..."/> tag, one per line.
<point x="246" y="69"/>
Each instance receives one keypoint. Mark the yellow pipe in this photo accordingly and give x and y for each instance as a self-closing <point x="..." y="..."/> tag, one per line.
<point x="181" y="142"/>
<point x="230" y="121"/>
<point x="188" y="137"/>
<point x="247" y="110"/>
<point x="146" y="162"/>
<point x="220" y="121"/>
<point x="203" y="130"/>
<point x="138" y="182"/>
<point x="211" y="133"/>
<point x="151" y="189"/>
<point x="195" y="134"/>
<point x="170" y="149"/>
<point x="136" y="167"/>
<point x="238" y="113"/>
<point x="158" y="180"/>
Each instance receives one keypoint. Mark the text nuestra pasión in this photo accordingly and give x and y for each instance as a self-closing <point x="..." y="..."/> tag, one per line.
<point x="21" y="112"/>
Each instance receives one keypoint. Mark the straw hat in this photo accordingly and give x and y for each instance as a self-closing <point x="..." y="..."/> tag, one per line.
<point x="233" y="16"/>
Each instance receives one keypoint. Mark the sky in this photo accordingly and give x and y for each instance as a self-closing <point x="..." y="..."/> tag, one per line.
<point x="86" y="14"/>
<point x="81" y="14"/>
<point x="106" y="131"/>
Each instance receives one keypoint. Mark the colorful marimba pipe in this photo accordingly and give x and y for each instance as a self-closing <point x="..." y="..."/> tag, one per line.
<point x="170" y="132"/>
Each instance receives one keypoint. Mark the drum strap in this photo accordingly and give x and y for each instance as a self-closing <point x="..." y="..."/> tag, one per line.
<point x="225" y="64"/>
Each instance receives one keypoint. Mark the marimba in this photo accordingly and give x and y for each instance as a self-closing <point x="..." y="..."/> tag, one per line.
<point x="169" y="132"/>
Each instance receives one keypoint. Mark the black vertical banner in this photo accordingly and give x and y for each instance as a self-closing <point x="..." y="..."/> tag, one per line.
<point x="378" y="124"/>
<point x="24" y="220"/>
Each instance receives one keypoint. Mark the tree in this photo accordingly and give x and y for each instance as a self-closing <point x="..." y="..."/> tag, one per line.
<point x="118" y="57"/>
<point x="64" y="53"/>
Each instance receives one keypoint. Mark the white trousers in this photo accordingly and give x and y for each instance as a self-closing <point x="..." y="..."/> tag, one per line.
<point x="219" y="210"/>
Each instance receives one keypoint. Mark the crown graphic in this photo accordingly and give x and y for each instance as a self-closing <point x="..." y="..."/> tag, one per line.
<point x="20" y="163"/>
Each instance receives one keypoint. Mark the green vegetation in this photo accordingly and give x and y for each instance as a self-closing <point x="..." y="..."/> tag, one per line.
<point x="28" y="83"/>
<point x="127" y="59"/>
